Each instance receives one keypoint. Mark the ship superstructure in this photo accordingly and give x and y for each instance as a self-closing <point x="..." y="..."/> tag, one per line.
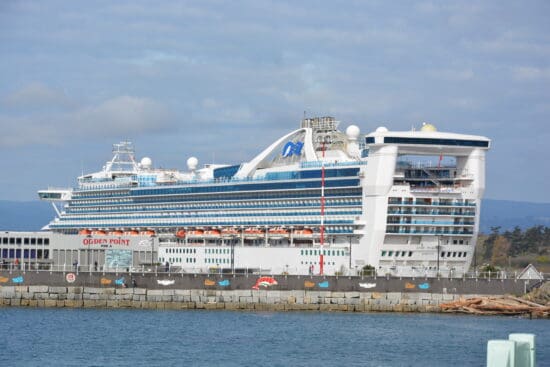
<point x="405" y="203"/>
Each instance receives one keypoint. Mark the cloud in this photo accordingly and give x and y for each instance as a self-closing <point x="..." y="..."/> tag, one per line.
<point x="529" y="73"/>
<point x="452" y="74"/>
<point x="36" y="96"/>
<point x="121" y="116"/>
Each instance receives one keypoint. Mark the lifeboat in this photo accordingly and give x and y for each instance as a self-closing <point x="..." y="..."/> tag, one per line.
<point x="253" y="233"/>
<point x="131" y="233"/>
<point x="99" y="232"/>
<point x="303" y="233"/>
<point x="278" y="233"/>
<point x="116" y="233"/>
<point x="147" y="233"/>
<point x="212" y="233"/>
<point x="85" y="232"/>
<point x="230" y="232"/>
<point x="195" y="233"/>
<point x="180" y="233"/>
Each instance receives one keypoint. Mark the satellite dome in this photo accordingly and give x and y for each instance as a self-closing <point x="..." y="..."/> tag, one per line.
<point x="192" y="163"/>
<point x="353" y="132"/>
<point x="426" y="126"/>
<point x="146" y="162"/>
<point x="382" y="129"/>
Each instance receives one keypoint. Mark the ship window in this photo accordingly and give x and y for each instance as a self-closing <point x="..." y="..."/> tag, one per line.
<point x="383" y="253"/>
<point x="25" y="241"/>
<point x="454" y="254"/>
<point x="410" y="253"/>
<point x="5" y="240"/>
<point x="390" y="253"/>
<point x="403" y="253"/>
<point x="455" y="242"/>
<point x="39" y="242"/>
<point x="443" y="254"/>
<point x="18" y="241"/>
<point x="432" y="141"/>
<point x="33" y="241"/>
<point x="461" y="242"/>
<point x="12" y="241"/>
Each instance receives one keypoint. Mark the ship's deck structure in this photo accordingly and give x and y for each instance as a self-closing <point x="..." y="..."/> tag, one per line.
<point x="403" y="202"/>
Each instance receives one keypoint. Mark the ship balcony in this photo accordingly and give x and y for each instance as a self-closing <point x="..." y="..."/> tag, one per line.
<point x="429" y="222"/>
<point x="430" y="204"/>
<point x="446" y="189"/>
<point x="432" y="232"/>
<point x="429" y="213"/>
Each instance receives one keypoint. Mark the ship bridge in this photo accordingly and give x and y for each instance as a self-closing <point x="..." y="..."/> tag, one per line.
<point x="55" y="194"/>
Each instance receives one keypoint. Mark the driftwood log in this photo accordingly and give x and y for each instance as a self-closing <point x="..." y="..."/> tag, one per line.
<point x="506" y="305"/>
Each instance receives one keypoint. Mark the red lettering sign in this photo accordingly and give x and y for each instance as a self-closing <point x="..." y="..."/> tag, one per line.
<point x="105" y="241"/>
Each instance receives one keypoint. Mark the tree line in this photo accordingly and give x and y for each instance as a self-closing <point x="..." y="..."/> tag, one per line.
<point x="529" y="245"/>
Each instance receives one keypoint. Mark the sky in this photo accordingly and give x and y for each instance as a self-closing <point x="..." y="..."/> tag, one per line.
<point x="221" y="80"/>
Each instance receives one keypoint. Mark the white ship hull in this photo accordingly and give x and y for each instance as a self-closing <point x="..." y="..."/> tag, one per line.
<point x="360" y="201"/>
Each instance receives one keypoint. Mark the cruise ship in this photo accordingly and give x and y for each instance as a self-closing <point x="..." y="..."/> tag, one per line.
<point x="318" y="200"/>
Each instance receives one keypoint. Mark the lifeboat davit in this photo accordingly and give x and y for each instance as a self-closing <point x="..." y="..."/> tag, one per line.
<point x="230" y="232"/>
<point x="148" y="232"/>
<point x="253" y="233"/>
<point x="180" y="233"/>
<point x="195" y="233"/>
<point x="303" y="233"/>
<point x="278" y="233"/>
<point x="85" y="232"/>
<point x="212" y="233"/>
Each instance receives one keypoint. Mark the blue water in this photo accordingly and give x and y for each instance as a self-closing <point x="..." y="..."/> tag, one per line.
<point x="82" y="337"/>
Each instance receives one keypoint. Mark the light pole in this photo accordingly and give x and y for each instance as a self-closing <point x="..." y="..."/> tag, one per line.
<point x="233" y="239"/>
<point x="438" y="247"/>
<point x="350" y="237"/>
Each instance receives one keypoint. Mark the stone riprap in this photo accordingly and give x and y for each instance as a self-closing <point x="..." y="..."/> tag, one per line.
<point x="264" y="300"/>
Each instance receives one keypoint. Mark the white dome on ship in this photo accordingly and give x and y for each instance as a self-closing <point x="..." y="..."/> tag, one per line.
<point x="381" y="129"/>
<point x="353" y="132"/>
<point x="192" y="163"/>
<point x="146" y="162"/>
<point x="426" y="126"/>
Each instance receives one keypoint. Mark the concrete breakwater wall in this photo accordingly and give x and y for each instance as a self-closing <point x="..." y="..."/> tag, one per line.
<point x="281" y="282"/>
<point x="261" y="300"/>
<point x="248" y="292"/>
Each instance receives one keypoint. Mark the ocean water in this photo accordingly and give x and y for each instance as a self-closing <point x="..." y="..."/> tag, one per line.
<point x="90" y="337"/>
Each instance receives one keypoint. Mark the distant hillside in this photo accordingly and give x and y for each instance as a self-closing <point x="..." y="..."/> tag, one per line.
<point x="508" y="214"/>
<point x="33" y="215"/>
<point x="25" y="215"/>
